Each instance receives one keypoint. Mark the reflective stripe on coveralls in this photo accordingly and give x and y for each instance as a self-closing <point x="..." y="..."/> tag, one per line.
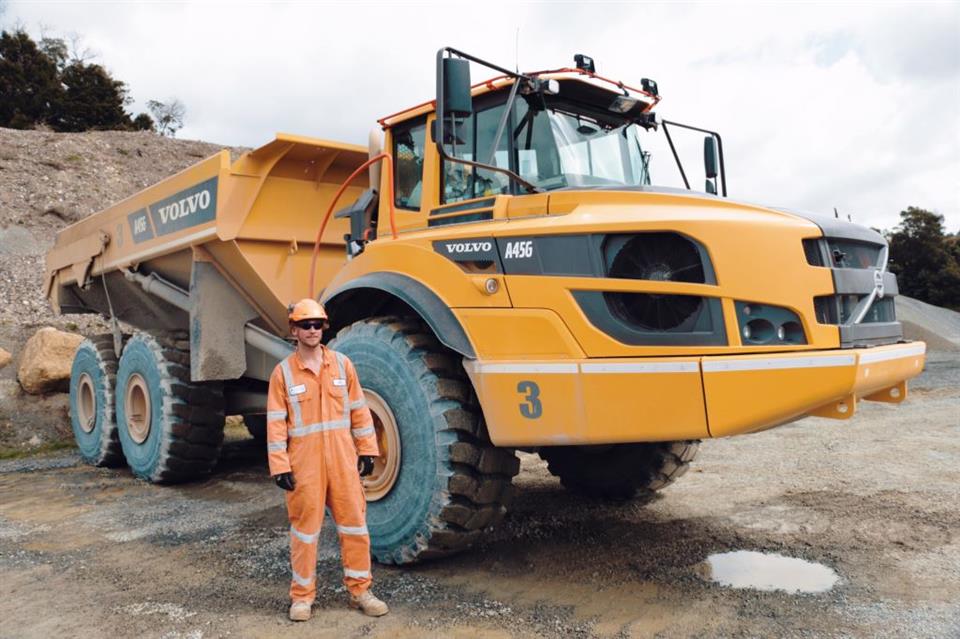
<point x="288" y="380"/>
<point x="304" y="537"/>
<point x="313" y="443"/>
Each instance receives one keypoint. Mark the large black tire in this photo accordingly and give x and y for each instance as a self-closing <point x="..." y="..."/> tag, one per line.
<point x="179" y="437"/>
<point x="452" y="483"/>
<point x="620" y="471"/>
<point x="92" y="417"/>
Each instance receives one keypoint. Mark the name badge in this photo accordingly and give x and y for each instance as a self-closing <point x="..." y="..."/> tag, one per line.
<point x="299" y="389"/>
<point x="339" y="382"/>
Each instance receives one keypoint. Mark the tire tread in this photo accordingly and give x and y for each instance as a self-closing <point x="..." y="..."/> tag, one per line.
<point x="193" y="415"/>
<point x="479" y="484"/>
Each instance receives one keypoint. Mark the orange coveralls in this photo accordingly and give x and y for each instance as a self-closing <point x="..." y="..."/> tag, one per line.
<point x="317" y="425"/>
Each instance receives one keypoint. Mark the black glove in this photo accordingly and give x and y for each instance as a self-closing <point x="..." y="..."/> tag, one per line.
<point x="365" y="465"/>
<point x="285" y="481"/>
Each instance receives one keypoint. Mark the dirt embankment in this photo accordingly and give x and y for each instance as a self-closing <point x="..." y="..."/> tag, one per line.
<point x="47" y="182"/>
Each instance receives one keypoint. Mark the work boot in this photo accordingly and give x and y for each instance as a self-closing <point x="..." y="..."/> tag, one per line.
<point x="300" y="611"/>
<point x="369" y="604"/>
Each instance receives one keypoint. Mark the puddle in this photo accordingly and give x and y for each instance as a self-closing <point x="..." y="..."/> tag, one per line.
<point x="762" y="571"/>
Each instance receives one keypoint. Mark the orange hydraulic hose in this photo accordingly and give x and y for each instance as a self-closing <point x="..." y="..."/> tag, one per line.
<point x="333" y="203"/>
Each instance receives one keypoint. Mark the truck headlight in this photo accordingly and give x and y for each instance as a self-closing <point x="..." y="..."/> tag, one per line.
<point x="763" y="324"/>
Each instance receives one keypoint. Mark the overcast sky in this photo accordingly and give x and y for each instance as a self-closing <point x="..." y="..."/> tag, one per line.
<point x="854" y="106"/>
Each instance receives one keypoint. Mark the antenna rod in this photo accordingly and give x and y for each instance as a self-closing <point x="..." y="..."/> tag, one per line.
<point x="516" y="52"/>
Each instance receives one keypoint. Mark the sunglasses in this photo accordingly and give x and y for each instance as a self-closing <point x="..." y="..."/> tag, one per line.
<point x="315" y="325"/>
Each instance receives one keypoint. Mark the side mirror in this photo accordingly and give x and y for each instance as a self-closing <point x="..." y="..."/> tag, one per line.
<point x="710" y="158"/>
<point x="454" y="85"/>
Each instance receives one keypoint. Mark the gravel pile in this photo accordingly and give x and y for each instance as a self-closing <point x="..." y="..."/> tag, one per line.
<point x="51" y="180"/>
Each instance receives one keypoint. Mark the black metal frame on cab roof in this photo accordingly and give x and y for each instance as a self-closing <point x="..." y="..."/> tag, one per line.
<point x="437" y="132"/>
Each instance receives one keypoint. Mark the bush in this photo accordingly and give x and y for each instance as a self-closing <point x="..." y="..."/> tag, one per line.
<point x="30" y="88"/>
<point x="46" y="84"/>
<point x="925" y="260"/>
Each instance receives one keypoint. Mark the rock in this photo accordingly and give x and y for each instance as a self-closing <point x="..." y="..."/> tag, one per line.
<point x="46" y="361"/>
<point x="5" y="358"/>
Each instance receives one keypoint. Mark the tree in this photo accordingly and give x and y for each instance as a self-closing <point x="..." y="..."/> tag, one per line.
<point x="93" y="100"/>
<point x="29" y="87"/>
<point x="56" y="50"/>
<point x="926" y="262"/>
<point x="144" y="122"/>
<point x="168" y="115"/>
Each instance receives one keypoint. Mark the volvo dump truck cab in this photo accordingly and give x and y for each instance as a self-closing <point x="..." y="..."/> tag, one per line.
<point x="513" y="278"/>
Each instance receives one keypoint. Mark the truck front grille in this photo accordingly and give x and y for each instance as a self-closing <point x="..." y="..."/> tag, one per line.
<point x="838" y="252"/>
<point x="838" y="309"/>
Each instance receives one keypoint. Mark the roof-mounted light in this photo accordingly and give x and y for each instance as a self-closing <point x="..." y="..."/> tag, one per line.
<point x="623" y="104"/>
<point x="584" y="63"/>
<point x="546" y="87"/>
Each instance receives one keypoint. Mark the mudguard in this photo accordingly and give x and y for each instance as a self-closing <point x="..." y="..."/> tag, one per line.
<point x="421" y="299"/>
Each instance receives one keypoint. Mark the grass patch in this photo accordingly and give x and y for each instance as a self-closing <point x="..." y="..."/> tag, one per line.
<point x="73" y="157"/>
<point x="123" y="152"/>
<point x="48" y="447"/>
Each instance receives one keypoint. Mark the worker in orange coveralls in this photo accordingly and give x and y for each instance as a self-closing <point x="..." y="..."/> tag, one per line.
<point x="320" y="441"/>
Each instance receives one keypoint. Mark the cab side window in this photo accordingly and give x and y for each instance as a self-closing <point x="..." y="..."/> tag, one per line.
<point x="408" y="141"/>
<point x="474" y="141"/>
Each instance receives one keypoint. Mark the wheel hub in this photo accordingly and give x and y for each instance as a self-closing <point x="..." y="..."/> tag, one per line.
<point x="86" y="403"/>
<point x="137" y="408"/>
<point x="386" y="467"/>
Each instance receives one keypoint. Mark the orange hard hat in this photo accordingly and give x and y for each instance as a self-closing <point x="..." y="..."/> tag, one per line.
<point x="306" y="309"/>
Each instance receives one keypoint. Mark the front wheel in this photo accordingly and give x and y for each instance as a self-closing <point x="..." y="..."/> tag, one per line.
<point x="438" y="483"/>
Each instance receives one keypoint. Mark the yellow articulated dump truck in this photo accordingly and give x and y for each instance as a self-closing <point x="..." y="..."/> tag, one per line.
<point x="512" y="277"/>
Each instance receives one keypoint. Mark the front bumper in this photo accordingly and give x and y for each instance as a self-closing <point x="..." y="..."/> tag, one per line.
<point x="594" y="401"/>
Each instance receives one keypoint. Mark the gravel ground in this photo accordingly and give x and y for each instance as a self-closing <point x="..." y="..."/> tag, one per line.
<point x="89" y="552"/>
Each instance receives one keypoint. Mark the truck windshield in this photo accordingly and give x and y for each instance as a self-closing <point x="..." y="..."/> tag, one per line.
<point x="558" y="149"/>
<point x="552" y="145"/>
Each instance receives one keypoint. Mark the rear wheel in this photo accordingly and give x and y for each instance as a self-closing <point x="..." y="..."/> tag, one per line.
<point x="92" y="416"/>
<point x="438" y="482"/>
<point x="620" y="471"/>
<point x="170" y="428"/>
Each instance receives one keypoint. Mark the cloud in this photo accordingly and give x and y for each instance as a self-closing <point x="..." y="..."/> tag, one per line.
<point x="847" y="105"/>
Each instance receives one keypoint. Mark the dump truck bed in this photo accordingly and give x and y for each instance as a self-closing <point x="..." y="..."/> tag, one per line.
<point x="230" y="215"/>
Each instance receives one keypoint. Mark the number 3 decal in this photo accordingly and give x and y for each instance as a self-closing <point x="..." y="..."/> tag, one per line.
<point x="532" y="409"/>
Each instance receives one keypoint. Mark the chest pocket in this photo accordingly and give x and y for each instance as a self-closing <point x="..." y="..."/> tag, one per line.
<point x="335" y="389"/>
<point x="301" y="405"/>
<point x="333" y="396"/>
